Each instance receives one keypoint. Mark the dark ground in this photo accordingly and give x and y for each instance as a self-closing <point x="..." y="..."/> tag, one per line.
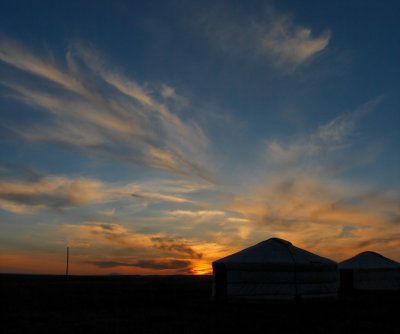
<point x="178" y="304"/>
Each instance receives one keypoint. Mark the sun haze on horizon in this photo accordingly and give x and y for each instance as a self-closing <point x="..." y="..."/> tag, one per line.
<point x="156" y="138"/>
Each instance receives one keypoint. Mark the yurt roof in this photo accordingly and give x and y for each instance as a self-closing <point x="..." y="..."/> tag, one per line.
<point x="274" y="253"/>
<point x="369" y="260"/>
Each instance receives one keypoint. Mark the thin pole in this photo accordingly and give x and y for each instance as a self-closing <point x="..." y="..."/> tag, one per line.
<point x="66" y="270"/>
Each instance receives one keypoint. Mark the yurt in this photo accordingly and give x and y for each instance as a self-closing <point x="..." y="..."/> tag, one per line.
<point x="274" y="269"/>
<point x="369" y="271"/>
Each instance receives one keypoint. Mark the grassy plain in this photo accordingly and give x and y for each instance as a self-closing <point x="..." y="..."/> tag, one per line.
<point x="175" y="304"/>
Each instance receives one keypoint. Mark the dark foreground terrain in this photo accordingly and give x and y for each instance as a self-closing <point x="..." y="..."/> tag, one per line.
<point x="179" y="304"/>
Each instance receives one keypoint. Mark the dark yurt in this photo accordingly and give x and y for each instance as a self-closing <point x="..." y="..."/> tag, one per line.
<point x="369" y="271"/>
<point x="274" y="269"/>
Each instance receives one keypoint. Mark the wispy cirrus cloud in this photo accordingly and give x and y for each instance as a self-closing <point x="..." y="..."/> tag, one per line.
<point x="270" y="35"/>
<point x="175" y="245"/>
<point x="122" y="247"/>
<point x="228" y="227"/>
<point x="50" y="193"/>
<point x="31" y="192"/>
<point x="197" y="214"/>
<point x="288" y="43"/>
<point x="97" y="110"/>
<point x="160" y="197"/>
<point x="302" y="200"/>
<point x="321" y="213"/>
<point x="156" y="264"/>
<point x="328" y="138"/>
<point x="106" y="235"/>
<point x="115" y="235"/>
<point x="17" y="55"/>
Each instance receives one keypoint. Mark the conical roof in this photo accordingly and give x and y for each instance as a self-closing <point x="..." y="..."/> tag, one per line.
<point x="274" y="253"/>
<point x="369" y="260"/>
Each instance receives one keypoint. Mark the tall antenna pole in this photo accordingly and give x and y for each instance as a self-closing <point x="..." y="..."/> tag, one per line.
<point x="66" y="270"/>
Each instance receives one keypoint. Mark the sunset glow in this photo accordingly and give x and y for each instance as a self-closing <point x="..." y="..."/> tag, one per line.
<point x="155" y="139"/>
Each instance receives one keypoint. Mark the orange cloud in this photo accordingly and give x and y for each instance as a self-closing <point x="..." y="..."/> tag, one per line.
<point x="50" y="193"/>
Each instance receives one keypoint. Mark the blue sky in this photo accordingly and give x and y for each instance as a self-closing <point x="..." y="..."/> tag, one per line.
<point x="157" y="137"/>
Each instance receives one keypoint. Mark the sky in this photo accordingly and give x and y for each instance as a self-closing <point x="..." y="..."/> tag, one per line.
<point x="156" y="137"/>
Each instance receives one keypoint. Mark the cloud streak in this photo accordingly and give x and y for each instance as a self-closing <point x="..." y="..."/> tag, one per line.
<point x="155" y="264"/>
<point x="287" y="43"/>
<point x="327" y="139"/>
<point x="97" y="110"/>
<point x="50" y="193"/>
<point x="27" y="191"/>
<point x="272" y="35"/>
<point x="173" y="245"/>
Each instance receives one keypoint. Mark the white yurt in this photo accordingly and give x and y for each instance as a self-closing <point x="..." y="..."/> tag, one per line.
<point x="274" y="269"/>
<point x="369" y="271"/>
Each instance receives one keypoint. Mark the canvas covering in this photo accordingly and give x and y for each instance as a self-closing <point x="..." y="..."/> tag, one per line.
<point x="372" y="271"/>
<point x="275" y="269"/>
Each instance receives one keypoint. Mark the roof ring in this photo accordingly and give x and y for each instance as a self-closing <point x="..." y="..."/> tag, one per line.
<point x="281" y="241"/>
<point x="372" y="253"/>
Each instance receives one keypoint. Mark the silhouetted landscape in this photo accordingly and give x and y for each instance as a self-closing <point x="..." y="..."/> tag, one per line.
<point x="176" y="304"/>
